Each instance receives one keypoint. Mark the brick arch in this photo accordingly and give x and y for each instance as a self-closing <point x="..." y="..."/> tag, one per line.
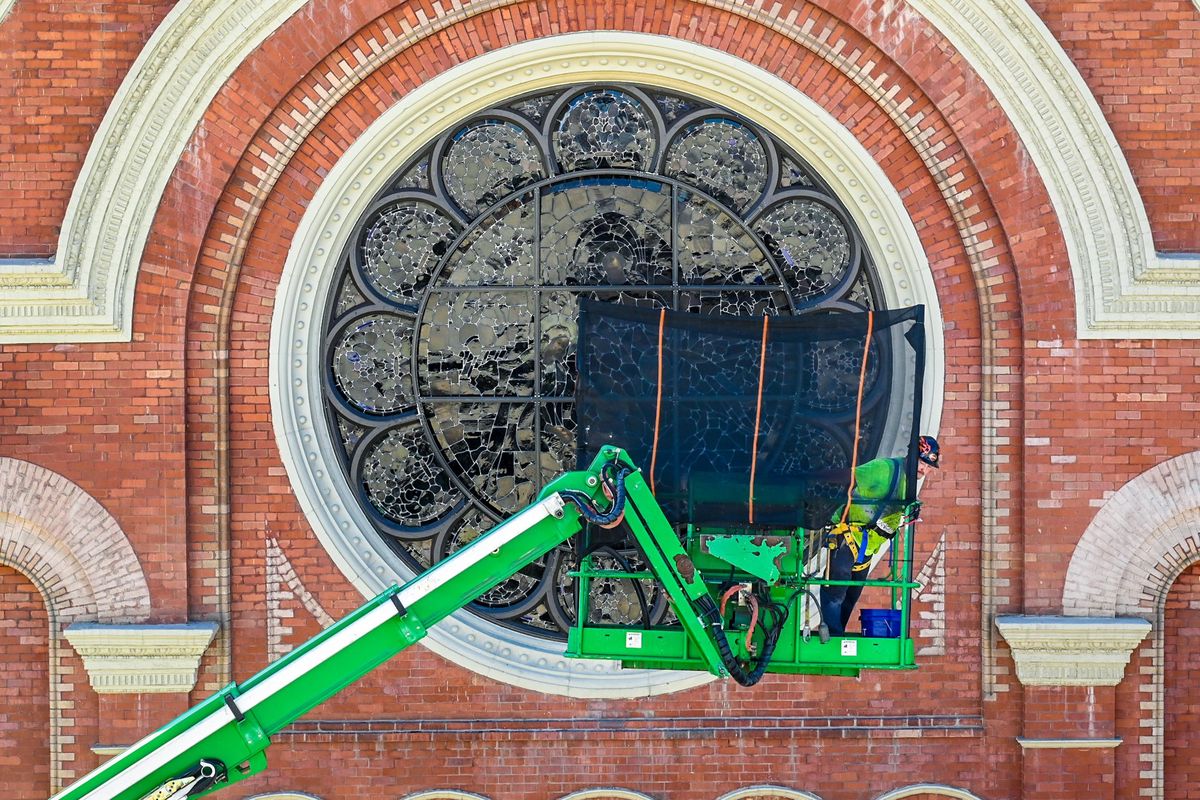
<point x="1127" y="560"/>
<point x="324" y="112"/>
<point x="60" y="536"/>
<point x="443" y="794"/>
<point x="1143" y="537"/>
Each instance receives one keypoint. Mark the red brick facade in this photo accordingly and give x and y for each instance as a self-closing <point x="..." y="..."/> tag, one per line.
<point x="172" y="432"/>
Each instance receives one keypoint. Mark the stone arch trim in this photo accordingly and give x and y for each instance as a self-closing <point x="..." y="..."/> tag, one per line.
<point x="85" y="292"/>
<point x="768" y="791"/>
<point x="1123" y="288"/>
<point x="606" y="793"/>
<point x="284" y="796"/>
<point x="54" y="531"/>
<point x="928" y="788"/>
<point x="1138" y="543"/>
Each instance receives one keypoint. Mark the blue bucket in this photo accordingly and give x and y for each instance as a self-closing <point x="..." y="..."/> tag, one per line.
<point x="880" y="623"/>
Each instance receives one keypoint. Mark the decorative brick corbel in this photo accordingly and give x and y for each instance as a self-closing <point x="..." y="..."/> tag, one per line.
<point x="141" y="659"/>
<point x="1072" y="651"/>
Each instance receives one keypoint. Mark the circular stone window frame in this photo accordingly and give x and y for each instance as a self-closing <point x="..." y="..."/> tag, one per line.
<point x="307" y="448"/>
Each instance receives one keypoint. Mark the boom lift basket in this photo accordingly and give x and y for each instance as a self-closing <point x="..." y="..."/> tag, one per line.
<point x="746" y="432"/>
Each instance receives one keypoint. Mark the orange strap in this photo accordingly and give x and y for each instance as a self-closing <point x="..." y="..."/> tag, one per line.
<point x="862" y="380"/>
<point x="662" y="322"/>
<point x="762" y="368"/>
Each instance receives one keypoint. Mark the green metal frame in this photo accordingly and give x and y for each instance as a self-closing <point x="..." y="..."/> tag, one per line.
<point x="773" y="558"/>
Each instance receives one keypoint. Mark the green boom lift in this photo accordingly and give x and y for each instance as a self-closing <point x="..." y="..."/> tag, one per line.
<point x="741" y="603"/>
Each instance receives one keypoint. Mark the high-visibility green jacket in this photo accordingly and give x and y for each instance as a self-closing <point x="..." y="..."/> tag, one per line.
<point x="876" y="502"/>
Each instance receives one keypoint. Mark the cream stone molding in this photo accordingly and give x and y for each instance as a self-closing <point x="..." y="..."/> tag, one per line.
<point x="296" y="397"/>
<point x="141" y="659"/>
<point x="7" y="6"/>
<point x="1071" y="651"/>
<point x="1067" y="744"/>
<point x="773" y="792"/>
<point x="85" y="292"/>
<point x="606" y="794"/>
<point x="919" y="789"/>
<point x="1123" y="288"/>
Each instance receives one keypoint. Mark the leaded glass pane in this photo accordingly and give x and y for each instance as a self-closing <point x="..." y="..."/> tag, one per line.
<point x="605" y="129"/>
<point x="404" y="481"/>
<point x="606" y="232"/>
<point x="724" y="158"/>
<point x="489" y="160"/>
<point x="498" y="251"/>
<point x="372" y="363"/>
<point x="476" y="343"/>
<point x="811" y="245"/>
<point x="715" y="248"/>
<point x="402" y="246"/>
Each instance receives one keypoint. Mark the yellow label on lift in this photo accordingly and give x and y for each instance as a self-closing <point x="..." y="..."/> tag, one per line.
<point x="849" y="647"/>
<point x="633" y="640"/>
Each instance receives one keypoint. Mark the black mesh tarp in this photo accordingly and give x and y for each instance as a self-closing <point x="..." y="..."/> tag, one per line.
<point x="707" y="441"/>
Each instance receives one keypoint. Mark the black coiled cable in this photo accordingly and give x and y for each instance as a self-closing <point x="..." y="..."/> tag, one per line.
<point x="589" y="511"/>
<point x="736" y="670"/>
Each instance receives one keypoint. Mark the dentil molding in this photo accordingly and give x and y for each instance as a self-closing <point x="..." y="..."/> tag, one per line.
<point x="1072" y="651"/>
<point x="141" y="659"/>
<point x="1123" y="288"/>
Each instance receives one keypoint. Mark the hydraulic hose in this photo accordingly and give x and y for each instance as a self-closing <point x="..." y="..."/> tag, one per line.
<point x="589" y="511"/>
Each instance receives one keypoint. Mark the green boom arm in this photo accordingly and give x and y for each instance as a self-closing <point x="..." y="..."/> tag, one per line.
<point x="224" y="739"/>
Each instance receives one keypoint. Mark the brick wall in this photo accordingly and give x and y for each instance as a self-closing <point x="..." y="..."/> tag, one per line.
<point x="1182" y="707"/>
<point x="24" y="688"/>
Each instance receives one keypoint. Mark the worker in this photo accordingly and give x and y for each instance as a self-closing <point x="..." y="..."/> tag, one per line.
<point x="882" y="480"/>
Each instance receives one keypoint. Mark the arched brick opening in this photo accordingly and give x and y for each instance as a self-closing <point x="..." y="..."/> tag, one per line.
<point x="324" y="112"/>
<point x="76" y="555"/>
<point x="24" y="686"/>
<point x="1181" y="701"/>
<point x="1141" y="541"/>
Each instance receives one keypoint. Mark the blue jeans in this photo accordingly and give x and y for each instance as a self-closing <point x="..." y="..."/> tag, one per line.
<point x="837" y="602"/>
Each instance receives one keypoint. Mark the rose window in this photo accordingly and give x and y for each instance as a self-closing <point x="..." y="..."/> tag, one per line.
<point x="450" y="333"/>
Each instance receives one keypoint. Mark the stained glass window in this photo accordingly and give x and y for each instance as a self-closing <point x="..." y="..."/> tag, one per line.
<point x="450" y="333"/>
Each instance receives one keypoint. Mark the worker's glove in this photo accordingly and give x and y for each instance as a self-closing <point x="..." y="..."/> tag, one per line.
<point x="829" y="538"/>
<point x="885" y="530"/>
